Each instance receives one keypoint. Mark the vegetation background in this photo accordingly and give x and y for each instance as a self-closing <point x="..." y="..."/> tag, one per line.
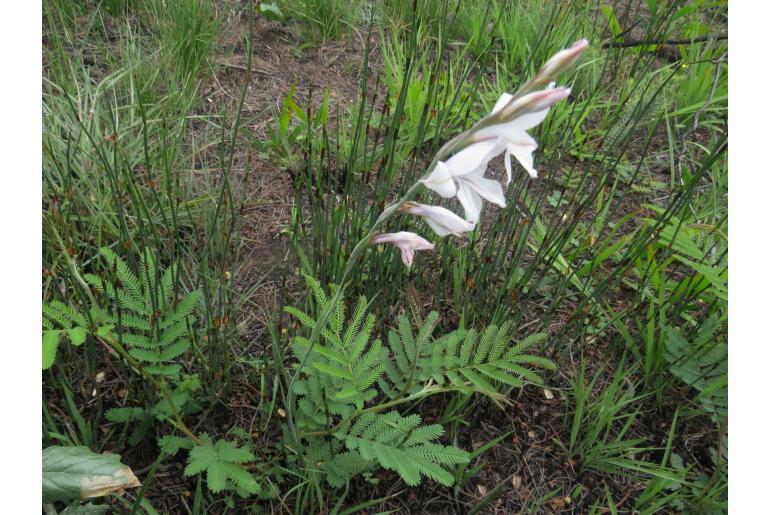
<point x="202" y="159"/>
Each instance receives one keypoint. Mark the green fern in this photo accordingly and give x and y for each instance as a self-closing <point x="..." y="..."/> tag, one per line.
<point x="701" y="363"/>
<point x="349" y="375"/>
<point x="153" y="327"/>
<point x="171" y="444"/>
<point x="460" y="358"/>
<point x="61" y="320"/>
<point x="347" y="365"/>
<point x="223" y="463"/>
<point x="401" y="444"/>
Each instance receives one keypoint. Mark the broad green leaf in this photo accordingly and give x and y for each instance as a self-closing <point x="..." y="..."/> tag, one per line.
<point x="78" y="473"/>
<point x="77" y="335"/>
<point x="50" y="342"/>
<point x="216" y="477"/>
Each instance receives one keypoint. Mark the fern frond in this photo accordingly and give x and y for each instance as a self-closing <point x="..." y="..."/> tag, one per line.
<point x="317" y="291"/>
<point x="129" y="321"/>
<point x="173" y="333"/>
<point x="139" y="340"/>
<point x="147" y="275"/>
<point x="401" y="359"/>
<point x="485" y="345"/>
<point x="154" y="332"/>
<point x="354" y="324"/>
<point x="466" y="351"/>
<point x="167" y="284"/>
<point x="171" y="444"/>
<point x="407" y="338"/>
<point x="700" y="363"/>
<point x="528" y="342"/>
<point x="183" y="309"/>
<point x="64" y="314"/>
<point x="463" y="359"/>
<point x="385" y="438"/>
<point x="357" y="347"/>
<point x="302" y="343"/>
<point x="128" y="280"/>
<point x="333" y="371"/>
<point x="174" y="350"/>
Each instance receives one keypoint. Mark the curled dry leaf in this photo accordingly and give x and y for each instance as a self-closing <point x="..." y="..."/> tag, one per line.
<point x="78" y="473"/>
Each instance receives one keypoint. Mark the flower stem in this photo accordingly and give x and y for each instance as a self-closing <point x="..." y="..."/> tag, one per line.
<point x="455" y="144"/>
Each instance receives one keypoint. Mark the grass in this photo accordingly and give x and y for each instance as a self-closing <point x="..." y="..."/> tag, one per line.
<point x="616" y="256"/>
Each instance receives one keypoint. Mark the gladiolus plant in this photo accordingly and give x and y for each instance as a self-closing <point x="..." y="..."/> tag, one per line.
<point x="458" y="170"/>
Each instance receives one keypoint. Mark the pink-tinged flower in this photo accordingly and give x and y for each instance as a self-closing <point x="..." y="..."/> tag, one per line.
<point x="563" y="59"/>
<point x="529" y="105"/>
<point x="463" y="175"/>
<point x="441" y="220"/>
<point x="408" y="242"/>
<point x="526" y="112"/>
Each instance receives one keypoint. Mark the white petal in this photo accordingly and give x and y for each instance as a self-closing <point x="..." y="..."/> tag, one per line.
<point x="529" y="120"/>
<point x="474" y="156"/>
<point x="504" y="99"/>
<point x="508" y="170"/>
<point x="471" y="202"/>
<point x="441" y="220"/>
<point x="404" y="239"/>
<point x="407" y="255"/>
<point x="514" y="127"/>
<point x="440" y="181"/>
<point x="438" y="228"/>
<point x="408" y="242"/>
<point x="522" y="148"/>
<point x="487" y="188"/>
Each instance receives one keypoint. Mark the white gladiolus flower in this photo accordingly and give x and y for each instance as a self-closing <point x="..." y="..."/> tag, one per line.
<point x="512" y="134"/>
<point x="463" y="175"/>
<point x="472" y="187"/>
<point x="408" y="242"/>
<point x="441" y="220"/>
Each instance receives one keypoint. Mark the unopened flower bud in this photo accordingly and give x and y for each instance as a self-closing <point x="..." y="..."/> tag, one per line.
<point x="563" y="59"/>
<point x="533" y="102"/>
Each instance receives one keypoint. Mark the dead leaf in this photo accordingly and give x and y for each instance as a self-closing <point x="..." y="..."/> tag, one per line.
<point x="516" y="482"/>
<point x="97" y="486"/>
<point x="557" y="503"/>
